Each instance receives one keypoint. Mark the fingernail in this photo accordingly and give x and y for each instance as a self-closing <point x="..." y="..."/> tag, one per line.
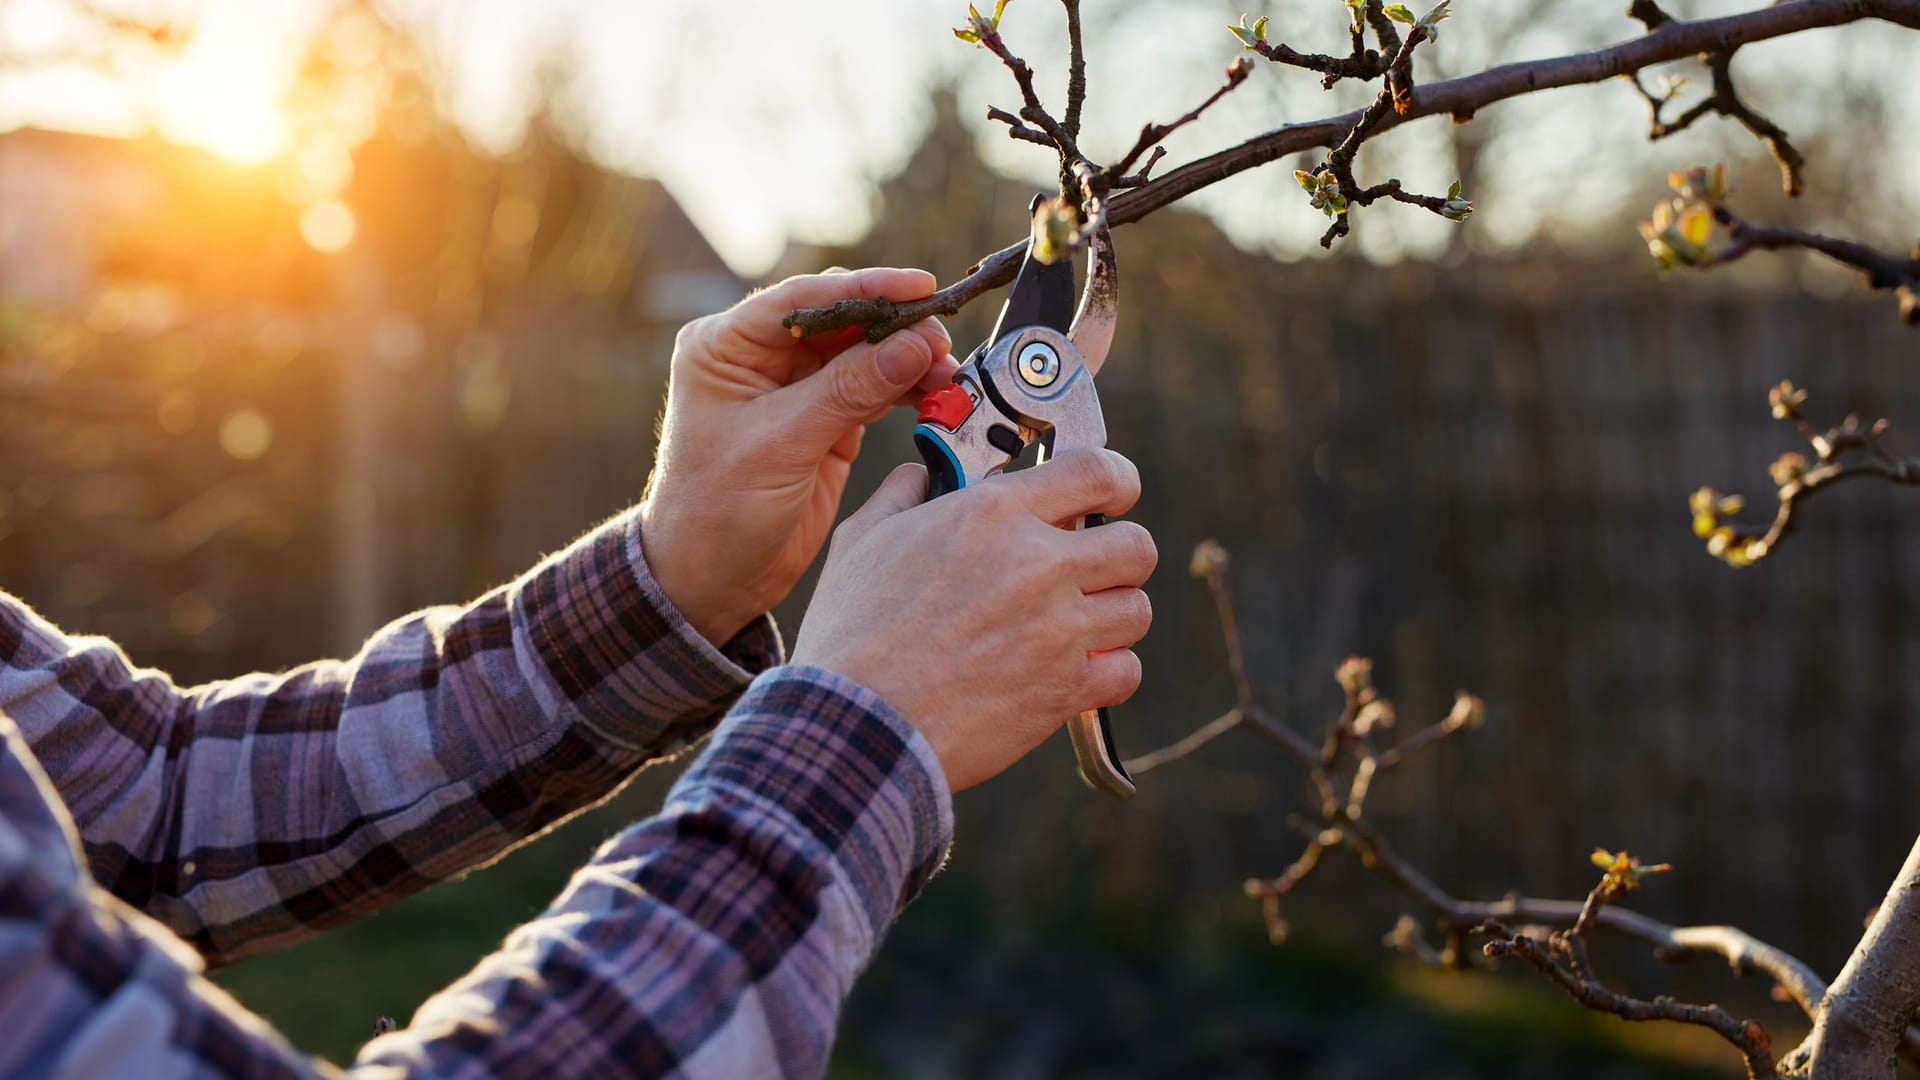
<point x="902" y="359"/>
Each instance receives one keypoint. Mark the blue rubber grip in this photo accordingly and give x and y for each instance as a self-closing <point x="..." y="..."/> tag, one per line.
<point x="944" y="475"/>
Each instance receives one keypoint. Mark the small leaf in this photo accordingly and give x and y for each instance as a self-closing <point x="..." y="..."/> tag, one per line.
<point x="1434" y="17"/>
<point x="1307" y="181"/>
<point x="967" y="35"/>
<point x="1453" y="190"/>
<point x="1260" y="28"/>
<point x="1399" y="13"/>
<point x="1001" y="6"/>
<point x="1696" y="224"/>
<point x="1602" y="858"/>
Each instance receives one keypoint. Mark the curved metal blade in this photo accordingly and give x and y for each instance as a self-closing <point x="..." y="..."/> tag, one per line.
<point x="1093" y="324"/>
<point x="1042" y="295"/>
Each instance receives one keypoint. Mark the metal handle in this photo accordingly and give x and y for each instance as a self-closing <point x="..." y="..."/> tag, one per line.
<point x="1092" y="735"/>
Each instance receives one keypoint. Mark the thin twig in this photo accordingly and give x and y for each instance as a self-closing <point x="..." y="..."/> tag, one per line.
<point x="1198" y="738"/>
<point x="1237" y="73"/>
<point x="1017" y="128"/>
<point x="1883" y="270"/>
<point x="1076" y="71"/>
<point x="1459" y="97"/>
<point x="1746" y="1036"/>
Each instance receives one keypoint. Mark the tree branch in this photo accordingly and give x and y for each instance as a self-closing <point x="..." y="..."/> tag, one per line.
<point x="1746" y="1036"/>
<point x="1849" y="451"/>
<point x="1341" y="825"/>
<point x="1237" y="72"/>
<point x="1076" y="71"/>
<point x="1883" y="270"/>
<point x="1460" y="97"/>
<point x="1863" y="1019"/>
<point x="1017" y="128"/>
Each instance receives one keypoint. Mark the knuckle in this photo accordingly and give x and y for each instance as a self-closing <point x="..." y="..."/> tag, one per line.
<point x="996" y="498"/>
<point x="1115" y="680"/>
<point x="1126" y="475"/>
<point x="844" y="534"/>
<point x="842" y="392"/>
<point x="1096" y="475"/>
<point x="1139" y="613"/>
<point x="1138" y="548"/>
<point x="692" y="336"/>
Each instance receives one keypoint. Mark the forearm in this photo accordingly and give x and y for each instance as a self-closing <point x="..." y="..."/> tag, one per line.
<point x="254" y="811"/>
<point x="719" y="938"/>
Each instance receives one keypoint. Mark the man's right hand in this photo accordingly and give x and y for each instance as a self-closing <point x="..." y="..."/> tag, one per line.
<point x="977" y="617"/>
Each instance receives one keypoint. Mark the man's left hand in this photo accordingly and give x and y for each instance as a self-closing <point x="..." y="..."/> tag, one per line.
<point x="761" y="430"/>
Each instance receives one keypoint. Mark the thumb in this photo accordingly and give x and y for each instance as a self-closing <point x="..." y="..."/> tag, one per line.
<point x="903" y="489"/>
<point x="857" y="384"/>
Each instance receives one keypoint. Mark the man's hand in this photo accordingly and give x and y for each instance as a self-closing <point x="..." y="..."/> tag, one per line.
<point x="979" y="619"/>
<point x="760" y="432"/>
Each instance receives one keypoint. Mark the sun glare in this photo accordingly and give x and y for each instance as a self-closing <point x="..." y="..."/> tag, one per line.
<point x="223" y="91"/>
<point x="198" y="104"/>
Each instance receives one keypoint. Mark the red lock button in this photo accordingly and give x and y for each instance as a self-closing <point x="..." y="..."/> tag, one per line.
<point x="948" y="407"/>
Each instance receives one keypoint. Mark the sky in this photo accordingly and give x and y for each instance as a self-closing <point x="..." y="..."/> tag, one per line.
<point x="772" y="120"/>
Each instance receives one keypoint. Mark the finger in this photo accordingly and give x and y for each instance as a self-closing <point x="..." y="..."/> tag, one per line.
<point x="825" y="347"/>
<point x="903" y="489"/>
<point x="1117" y="555"/>
<point x="1110" y="678"/>
<point x="1116" y="619"/>
<point x="940" y="374"/>
<point x="1075" y="484"/>
<point x="759" y="315"/>
<point x="859" y="383"/>
<point x="936" y="334"/>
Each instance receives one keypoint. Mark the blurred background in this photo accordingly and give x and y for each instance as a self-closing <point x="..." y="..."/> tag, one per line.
<point x="314" y="312"/>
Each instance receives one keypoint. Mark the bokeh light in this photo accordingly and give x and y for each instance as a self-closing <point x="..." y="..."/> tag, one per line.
<point x="328" y="225"/>
<point x="246" y="434"/>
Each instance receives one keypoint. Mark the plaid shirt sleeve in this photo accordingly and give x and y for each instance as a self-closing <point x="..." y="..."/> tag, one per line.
<point x="717" y="939"/>
<point x="250" y="813"/>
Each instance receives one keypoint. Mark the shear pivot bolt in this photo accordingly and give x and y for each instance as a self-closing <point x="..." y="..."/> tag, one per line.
<point x="1039" y="365"/>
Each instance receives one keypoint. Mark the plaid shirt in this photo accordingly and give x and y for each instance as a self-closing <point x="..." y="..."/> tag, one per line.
<point x="147" y="829"/>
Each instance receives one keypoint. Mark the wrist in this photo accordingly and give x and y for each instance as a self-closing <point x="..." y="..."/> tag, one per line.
<point x="684" y="569"/>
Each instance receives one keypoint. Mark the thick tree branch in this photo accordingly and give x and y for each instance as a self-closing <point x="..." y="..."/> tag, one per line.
<point x="1466" y="95"/>
<point x="1461" y="98"/>
<point x="1863" y="1019"/>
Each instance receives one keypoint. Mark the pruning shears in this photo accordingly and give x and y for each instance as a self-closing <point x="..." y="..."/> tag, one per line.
<point x="1031" y="382"/>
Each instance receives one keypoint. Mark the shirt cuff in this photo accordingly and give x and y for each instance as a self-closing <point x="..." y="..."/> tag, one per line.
<point x="630" y="667"/>
<point x="849" y="769"/>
